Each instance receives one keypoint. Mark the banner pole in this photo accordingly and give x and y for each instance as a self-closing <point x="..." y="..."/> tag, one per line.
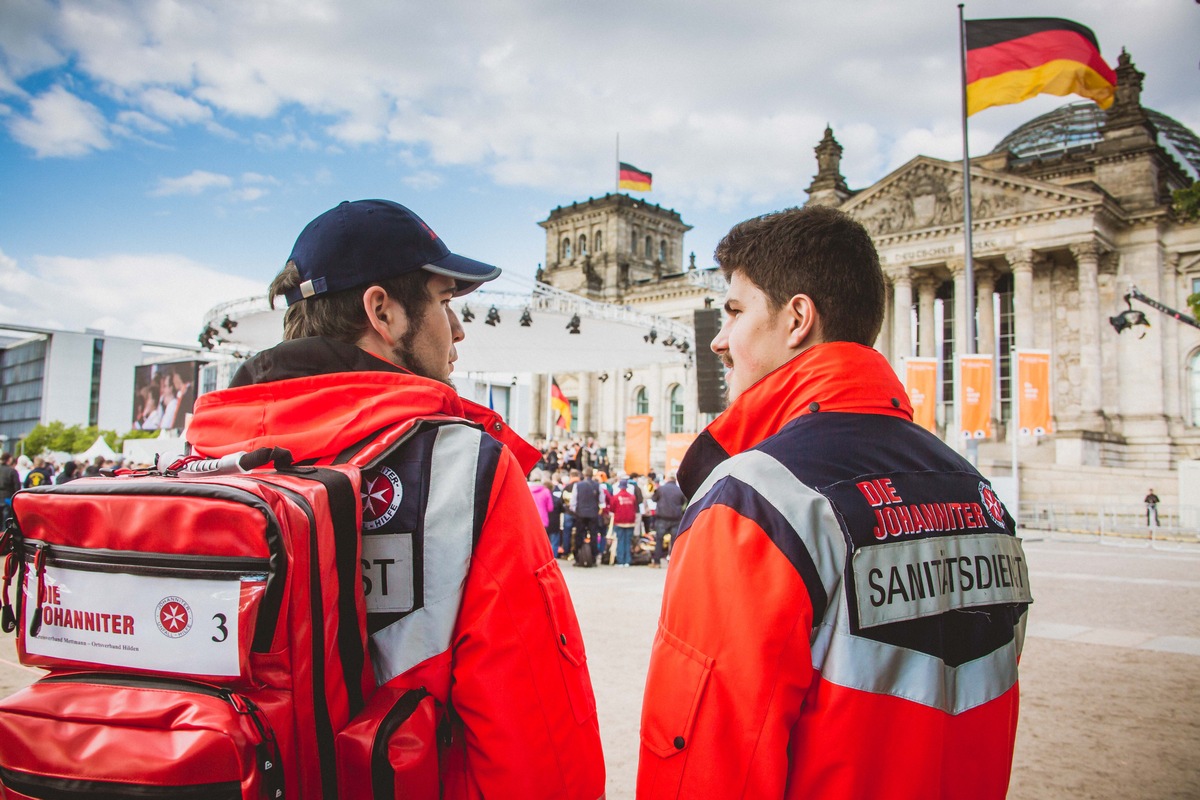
<point x="1014" y="400"/>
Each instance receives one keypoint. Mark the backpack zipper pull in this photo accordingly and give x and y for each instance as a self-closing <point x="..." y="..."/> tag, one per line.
<point x="39" y="566"/>
<point x="268" y="746"/>
<point x="10" y="545"/>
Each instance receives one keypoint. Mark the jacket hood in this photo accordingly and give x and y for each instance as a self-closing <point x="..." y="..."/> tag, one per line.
<point x="835" y="376"/>
<point x="316" y="397"/>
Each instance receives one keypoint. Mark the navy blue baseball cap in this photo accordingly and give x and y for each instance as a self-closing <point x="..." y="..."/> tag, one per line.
<point x="367" y="241"/>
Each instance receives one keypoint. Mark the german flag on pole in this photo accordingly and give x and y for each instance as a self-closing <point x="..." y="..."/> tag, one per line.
<point x="559" y="402"/>
<point x="1011" y="60"/>
<point x="630" y="177"/>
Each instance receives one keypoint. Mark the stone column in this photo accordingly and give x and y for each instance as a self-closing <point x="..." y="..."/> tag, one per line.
<point x="901" y="313"/>
<point x="537" y="403"/>
<point x="1087" y="259"/>
<point x="985" y="288"/>
<point x="1022" y="269"/>
<point x="926" y="326"/>
<point x="958" y="268"/>
<point x="586" y="426"/>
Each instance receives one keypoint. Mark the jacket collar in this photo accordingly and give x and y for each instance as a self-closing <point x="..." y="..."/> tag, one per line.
<point x="835" y="376"/>
<point x="316" y="396"/>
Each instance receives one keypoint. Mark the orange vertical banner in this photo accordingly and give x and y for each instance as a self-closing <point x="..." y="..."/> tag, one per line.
<point x="920" y="380"/>
<point x="974" y="399"/>
<point x="1033" y="378"/>
<point x="637" y="444"/>
<point x="677" y="445"/>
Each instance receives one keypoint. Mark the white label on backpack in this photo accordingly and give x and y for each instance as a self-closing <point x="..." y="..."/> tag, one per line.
<point x="178" y="625"/>
<point x="387" y="567"/>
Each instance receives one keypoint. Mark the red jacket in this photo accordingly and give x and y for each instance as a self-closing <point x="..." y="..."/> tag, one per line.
<point x="515" y="670"/>
<point x="825" y="628"/>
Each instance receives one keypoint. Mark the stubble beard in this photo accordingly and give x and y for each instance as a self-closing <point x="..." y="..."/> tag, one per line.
<point x="404" y="355"/>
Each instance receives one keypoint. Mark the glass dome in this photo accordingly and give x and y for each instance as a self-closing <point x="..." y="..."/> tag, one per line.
<point x="1076" y="126"/>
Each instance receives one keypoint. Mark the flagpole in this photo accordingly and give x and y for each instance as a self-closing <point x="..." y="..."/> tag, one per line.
<point x="968" y="260"/>
<point x="617" y="184"/>
<point x="550" y="407"/>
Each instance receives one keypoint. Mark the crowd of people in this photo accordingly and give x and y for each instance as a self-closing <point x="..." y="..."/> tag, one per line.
<point x="592" y="516"/>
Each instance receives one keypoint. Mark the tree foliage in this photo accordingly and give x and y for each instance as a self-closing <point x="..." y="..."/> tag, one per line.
<point x="58" y="437"/>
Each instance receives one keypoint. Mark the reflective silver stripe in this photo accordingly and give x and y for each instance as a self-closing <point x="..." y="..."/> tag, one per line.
<point x="449" y="526"/>
<point x="806" y="509"/>
<point x="870" y="666"/>
<point x="852" y="661"/>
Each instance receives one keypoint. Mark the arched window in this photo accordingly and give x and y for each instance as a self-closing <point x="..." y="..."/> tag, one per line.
<point x="633" y="241"/>
<point x="662" y="251"/>
<point x="641" y="403"/>
<point x="649" y="248"/>
<point x="676" y="409"/>
<point x="1194" y="387"/>
<point x="582" y="245"/>
<point x="598" y="238"/>
<point x="566" y="249"/>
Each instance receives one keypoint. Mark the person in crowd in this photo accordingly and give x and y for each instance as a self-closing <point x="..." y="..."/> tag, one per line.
<point x="568" y="518"/>
<point x="93" y="469"/>
<point x="668" y="510"/>
<point x="40" y="475"/>
<point x="10" y="484"/>
<point x="585" y="505"/>
<point x="818" y="635"/>
<point x="624" y="516"/>
<point x="554" y="518"/>
<point x="68" y="473"/>
<point x="543" y="501"/>
<point x="490" y="631"/>
<point x="1151" y="501"/>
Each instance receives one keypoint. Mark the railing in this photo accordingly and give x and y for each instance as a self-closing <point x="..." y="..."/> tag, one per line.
<point x="1114" y="523"/>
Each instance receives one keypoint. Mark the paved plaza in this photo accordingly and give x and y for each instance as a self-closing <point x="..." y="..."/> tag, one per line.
<point x="1110" y="676"/>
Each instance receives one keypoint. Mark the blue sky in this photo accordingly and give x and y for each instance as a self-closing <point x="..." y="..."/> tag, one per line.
<point x="159" y="157"/>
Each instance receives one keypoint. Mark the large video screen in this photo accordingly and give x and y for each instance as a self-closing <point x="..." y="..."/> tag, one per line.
<point x="164" y="395"/>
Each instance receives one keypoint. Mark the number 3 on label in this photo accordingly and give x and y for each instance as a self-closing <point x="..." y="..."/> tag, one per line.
<point x="220" y="620"/>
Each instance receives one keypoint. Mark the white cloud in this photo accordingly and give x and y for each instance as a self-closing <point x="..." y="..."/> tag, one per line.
<point x="61" y="124"/>
<point x="724" y="103"/>
<point x="172" y="107"/>
<point x="248" y="194"/>
<point x="139" y="121"/>
<point x="195" y="182"/>
<point x="423" y="180"/>
<point x="158" y="297"/>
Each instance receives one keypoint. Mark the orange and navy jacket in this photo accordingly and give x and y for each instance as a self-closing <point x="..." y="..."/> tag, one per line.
<point x="844" y="607"/>
<point x="482" y="619"/>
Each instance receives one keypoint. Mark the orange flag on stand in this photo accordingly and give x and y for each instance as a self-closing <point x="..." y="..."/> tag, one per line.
<point x="1033" y="379"/>
<point x="974" y="399"/>
<point x="920" y="380"/>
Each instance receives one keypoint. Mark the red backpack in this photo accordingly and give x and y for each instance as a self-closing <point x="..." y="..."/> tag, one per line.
<point x="204" y="633"/>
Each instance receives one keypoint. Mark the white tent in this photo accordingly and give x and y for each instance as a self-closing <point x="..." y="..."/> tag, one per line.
<point x="98" y="448"/>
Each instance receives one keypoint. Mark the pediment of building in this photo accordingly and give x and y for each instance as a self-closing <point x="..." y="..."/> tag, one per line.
<point x="928" y="193"/>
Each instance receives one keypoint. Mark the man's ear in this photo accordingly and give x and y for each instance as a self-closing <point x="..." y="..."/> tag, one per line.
<point x="804" y="324"/>
<point x="380" y="310"/>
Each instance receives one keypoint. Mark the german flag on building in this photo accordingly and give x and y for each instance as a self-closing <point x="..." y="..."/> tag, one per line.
<point x="1011" y="60"/>
<point x="630" y="177"/>
<point x="560" y="403"/>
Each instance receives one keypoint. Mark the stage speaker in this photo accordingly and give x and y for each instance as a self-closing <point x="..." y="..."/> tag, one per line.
<point x="710" y="372"/>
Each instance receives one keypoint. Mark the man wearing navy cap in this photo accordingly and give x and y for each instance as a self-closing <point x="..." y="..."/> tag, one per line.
<point x="463" y="596"/>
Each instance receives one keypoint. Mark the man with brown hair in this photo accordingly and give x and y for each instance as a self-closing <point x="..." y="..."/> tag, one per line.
<point x="464" y="598"/>
<point x="845" y="601"/>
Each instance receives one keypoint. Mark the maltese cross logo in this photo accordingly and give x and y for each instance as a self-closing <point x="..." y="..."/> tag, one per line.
<point x="381" y="494"/>
<point x="174" y="617"/>
<point x="992" y="503"/>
